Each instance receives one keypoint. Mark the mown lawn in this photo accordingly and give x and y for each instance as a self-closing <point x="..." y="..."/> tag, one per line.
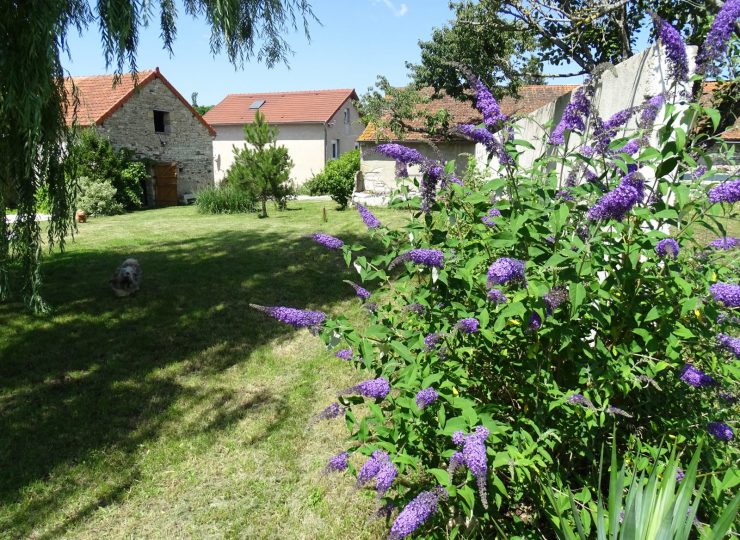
<point x="180" y="412"/>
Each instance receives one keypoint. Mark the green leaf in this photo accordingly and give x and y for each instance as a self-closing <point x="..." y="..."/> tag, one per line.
<point x="577" y="294"/>
<point x="714" y="115"/>
<point x="404" y="351"/>
<point x="442" y="476"/>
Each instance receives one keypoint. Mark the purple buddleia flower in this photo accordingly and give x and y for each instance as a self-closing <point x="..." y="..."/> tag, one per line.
<point x="730" y="344"/>
<point x="720" y="430"/>
<point x="432" y="258"/>
<point x="329" y="413"/>
<point x="371" y="467"/>
<point x="650" y="110"/>
<point x="467" y="326"/>
<point x="426" y="397"/>
<point x="700" y="171"/>
<point x="497" y="296"/>
<point x="726" y="293"/>
<point x="384" y="479"/>
<point x="326" y="240"/>
<point x="487" y="105"/>
<point x="555" y="297"/>
<point x="488" y="218"/>
<point x="432" y="174"/>
<point x="360" y="291"/>
<point x="605" y="131"/>
<point x="590" y="175"/>
<point x="402" y="170"/>
<point x="564" y="194"/>
<point x="728" y="192"/>
<point x="632" y="147"/>
<point x="535" y="322"/>
<point x="617" y="411"/>
<point x="399" y="152"/>
<point x="417" y="512"/>
<point x="493" y="145"/>
<point x="338" y="463"/>
<point x="675" y="50"/>
<point x="724" y="243"/>
<point x="667" y="247"/>
<point x="474" y="457"/>
<point x="619" y="201"/>
<point x="431" y="340"/>
<point x="297" y="318"/>
<point x="587" y="150"/>
<point x="715" y="45"/>
<point x="580" y="399"/>
<point x="457" y="460"/>
<point x="372" y="388"/>
<point x="415" y="308"/>
<point x="679" y="474"/>
<point x="574" y="117"/>
<point x="695" y="377"/>
<point x="344" y="354"/>
<point x="368" y="217"/>
<point x="725" y="317"/>
<point x="550" y="239"/>
<point x="504" y="270"/>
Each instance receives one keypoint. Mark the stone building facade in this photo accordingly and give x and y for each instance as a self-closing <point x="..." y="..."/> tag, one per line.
<point x="153" y="120"/>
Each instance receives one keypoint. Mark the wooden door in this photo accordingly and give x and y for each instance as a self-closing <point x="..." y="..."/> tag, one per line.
<point x="165" y="184"/>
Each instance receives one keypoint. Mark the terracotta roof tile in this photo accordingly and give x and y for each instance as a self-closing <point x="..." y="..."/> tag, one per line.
<point x="531" y="98"/>
<point x="99" y="97"/>
<point x="280" y="107"/>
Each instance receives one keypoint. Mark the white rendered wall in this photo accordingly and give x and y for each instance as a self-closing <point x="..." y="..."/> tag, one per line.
<point x="305" y="144"/>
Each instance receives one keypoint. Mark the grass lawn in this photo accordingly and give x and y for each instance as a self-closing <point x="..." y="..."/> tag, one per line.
<point x="180" y="412"/>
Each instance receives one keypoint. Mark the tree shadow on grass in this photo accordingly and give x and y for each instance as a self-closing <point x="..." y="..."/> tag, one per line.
<point x="101" y="374"/>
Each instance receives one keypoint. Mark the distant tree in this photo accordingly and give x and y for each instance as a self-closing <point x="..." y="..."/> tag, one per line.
<point x="33" y="97"/>
<point x="202" y="109"/>
<point x="261" y="168"/>
<point x="499" y="49"/>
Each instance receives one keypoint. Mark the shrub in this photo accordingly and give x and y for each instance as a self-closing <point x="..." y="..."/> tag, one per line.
<point x="337" y="179"/>
<point x="514" y="327"/>
<point x="225" y="200"/>
<point x="92" y="156"/>
<point x="98" y="197"/>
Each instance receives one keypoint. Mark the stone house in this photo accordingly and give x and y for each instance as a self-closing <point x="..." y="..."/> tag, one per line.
<point x="315" y="126"/>
<point x="151" y="118"/>
<point x="378" y="173"/>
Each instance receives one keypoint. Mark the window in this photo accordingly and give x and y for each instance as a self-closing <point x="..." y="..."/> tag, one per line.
<point x="346" y="115"/>
<point x="161" y="122"/>
<point x="335" y="149"/>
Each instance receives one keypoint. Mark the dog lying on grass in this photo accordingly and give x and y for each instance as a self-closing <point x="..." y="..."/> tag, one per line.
<point x="127" y="278"/>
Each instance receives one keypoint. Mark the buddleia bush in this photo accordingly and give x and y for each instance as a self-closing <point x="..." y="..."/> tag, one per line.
<point x="514" y="326"/>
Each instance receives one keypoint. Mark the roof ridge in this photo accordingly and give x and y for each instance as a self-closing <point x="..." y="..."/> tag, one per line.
<point x="348" y="90"/>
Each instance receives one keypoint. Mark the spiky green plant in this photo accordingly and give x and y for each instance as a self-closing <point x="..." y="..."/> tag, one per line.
<point x="659" y="507"/>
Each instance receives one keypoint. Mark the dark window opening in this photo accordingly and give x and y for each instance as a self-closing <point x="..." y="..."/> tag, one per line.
<point x="161" y="122"/>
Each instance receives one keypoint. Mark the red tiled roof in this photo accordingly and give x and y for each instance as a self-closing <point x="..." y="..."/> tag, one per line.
<point x="99" y="98"/>
<point x="531" y="98"/>
<point x="280" y="107"/>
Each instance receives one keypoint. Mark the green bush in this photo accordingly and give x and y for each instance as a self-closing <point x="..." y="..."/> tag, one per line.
<point x="92" y="156"/>
<point x="225" y="200"/>
<point x="514" y="326"/>
<point x="337" y="179"/>
<point x="98" y="197"/>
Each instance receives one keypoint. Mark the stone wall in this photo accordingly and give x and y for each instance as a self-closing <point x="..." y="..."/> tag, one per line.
<point x="186" y="140"/>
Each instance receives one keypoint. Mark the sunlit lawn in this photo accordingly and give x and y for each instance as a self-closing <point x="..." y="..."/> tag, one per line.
<point x="180" y="412"/>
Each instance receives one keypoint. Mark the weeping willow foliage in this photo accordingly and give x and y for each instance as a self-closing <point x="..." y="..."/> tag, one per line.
<point x="34" y="100"/>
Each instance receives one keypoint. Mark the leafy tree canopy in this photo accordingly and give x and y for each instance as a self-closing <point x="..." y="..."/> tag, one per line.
<point x="33" y="98"/>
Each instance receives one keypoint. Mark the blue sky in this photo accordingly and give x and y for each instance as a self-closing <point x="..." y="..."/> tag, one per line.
<point x="358" y="40"/>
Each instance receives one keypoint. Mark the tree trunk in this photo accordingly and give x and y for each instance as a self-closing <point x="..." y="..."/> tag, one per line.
<point x="264" y="207"/>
